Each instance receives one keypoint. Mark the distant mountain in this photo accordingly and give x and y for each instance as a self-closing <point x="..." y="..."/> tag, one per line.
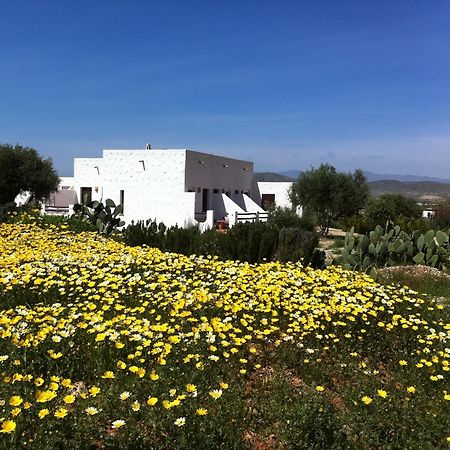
<point x="420" y="190"/>
<point x="418" y="187"/>
<point x="271" y="176"/>
<point x="371" y="176"/>
<point x="379" y="177"/>
<point x="293" y="174"/>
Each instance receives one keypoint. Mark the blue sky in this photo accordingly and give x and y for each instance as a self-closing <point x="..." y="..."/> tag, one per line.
<point x="358" y="84"/>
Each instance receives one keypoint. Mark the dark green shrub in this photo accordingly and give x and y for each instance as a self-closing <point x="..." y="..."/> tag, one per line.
<point x="410" y="224"/>
<point x="7" y="211"/>
<point x="441" y="218"/>
<point x="378" y="210"/>
<point x="251" y="242"/>
<point x="182" y="240"/>
<point x="296" y="244"/>
<point x="211" y="243"/>
<point x="357" y="222"/>
<point x="288" y="218"/>
<point x="362" y="225"/>
<point x="144" y="233"/>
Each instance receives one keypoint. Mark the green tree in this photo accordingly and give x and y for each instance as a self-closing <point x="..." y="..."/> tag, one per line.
<point x="22" y="170"/>
<point x="329" y="194"/>
<point x="388" y="206"/>
<point x="441" y="218"/>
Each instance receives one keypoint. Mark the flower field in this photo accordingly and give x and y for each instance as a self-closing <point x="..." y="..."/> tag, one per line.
<point x="108" y="346"/>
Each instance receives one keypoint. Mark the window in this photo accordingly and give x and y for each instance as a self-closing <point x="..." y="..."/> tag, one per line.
<point x="205" y="200"/>
<point x="86" y="195"/>
<point x="122" y="198"/>
<point x="215" y="191"/>
<point x="267" y="200"/>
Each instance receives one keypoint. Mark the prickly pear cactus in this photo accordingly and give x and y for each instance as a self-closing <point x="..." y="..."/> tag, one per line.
<point x="393" y="247"/>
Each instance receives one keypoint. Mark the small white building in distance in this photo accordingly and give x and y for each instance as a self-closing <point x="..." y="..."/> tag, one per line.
<point x="174" y="186"/>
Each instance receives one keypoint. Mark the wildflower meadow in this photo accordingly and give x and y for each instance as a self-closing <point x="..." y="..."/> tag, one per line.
<point x="108" y="346"/>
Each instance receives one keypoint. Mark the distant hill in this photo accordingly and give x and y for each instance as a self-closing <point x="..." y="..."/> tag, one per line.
<point x="420" y="190"/>
<point x="415" y="186"/>
<point x="293" y="174"/>
<point x="371" y="176"/>
<point x="270" y="176"/>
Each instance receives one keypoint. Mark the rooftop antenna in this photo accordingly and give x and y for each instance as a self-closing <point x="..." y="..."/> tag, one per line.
<point x="148" y="147"/>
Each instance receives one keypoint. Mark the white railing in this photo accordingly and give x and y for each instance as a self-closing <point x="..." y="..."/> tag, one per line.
<point x="251" y="216"/>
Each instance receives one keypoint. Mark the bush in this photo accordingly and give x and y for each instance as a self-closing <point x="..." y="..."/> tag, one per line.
<point x="296" y="244"/>
<point x="288" y="218"/>
<point x="6" y="211"/>
<point x="182" y="240"/>
<point x="144" y="233"/>
<point x="390" y="207"/>
<point x="441" y="218"/>
<point x="251" y="242"/>
<point x="362" y="225"/>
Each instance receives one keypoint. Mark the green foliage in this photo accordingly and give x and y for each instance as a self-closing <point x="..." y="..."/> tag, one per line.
<point x="251" y="242"/>
<point x="393" y="247"/>
<point x="7" y="210"/>
<point x="144" y="233"/>
<point x="182" y="240"/>
<point x="441" y="218"/>
<point x="362" y="225"/>
<point x="390" y="207"/>
<point x="21" y="170"/>
<point x="103" y="216"/>
<point x="296" y="244"/>
<point x="288" y="218"/>
<point x="329" y="194"/>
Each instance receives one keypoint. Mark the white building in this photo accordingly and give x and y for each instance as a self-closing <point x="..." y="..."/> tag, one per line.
<point x="58" y="202"/>
<point x="274" y="193"/>
<point x="174" y="186"/>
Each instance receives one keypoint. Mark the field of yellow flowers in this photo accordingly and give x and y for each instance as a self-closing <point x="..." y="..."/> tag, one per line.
<point x="108" y="346"/>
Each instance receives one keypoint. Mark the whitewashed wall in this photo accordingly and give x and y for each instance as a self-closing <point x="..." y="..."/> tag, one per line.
<point x="87" y="172"/>
<point x="220" y="174"/>
<point x="66" y="183"/>
<point x="165" y="185"/>
<point x="279" y="188"/>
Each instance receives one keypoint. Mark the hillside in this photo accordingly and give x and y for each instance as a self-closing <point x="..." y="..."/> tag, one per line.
<point x="271" y="176"/>
<point x="371" y="176"/>
<point x="420" y="190"/>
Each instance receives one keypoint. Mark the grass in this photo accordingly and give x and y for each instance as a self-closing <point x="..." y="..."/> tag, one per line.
<point x="422" y="279"/>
